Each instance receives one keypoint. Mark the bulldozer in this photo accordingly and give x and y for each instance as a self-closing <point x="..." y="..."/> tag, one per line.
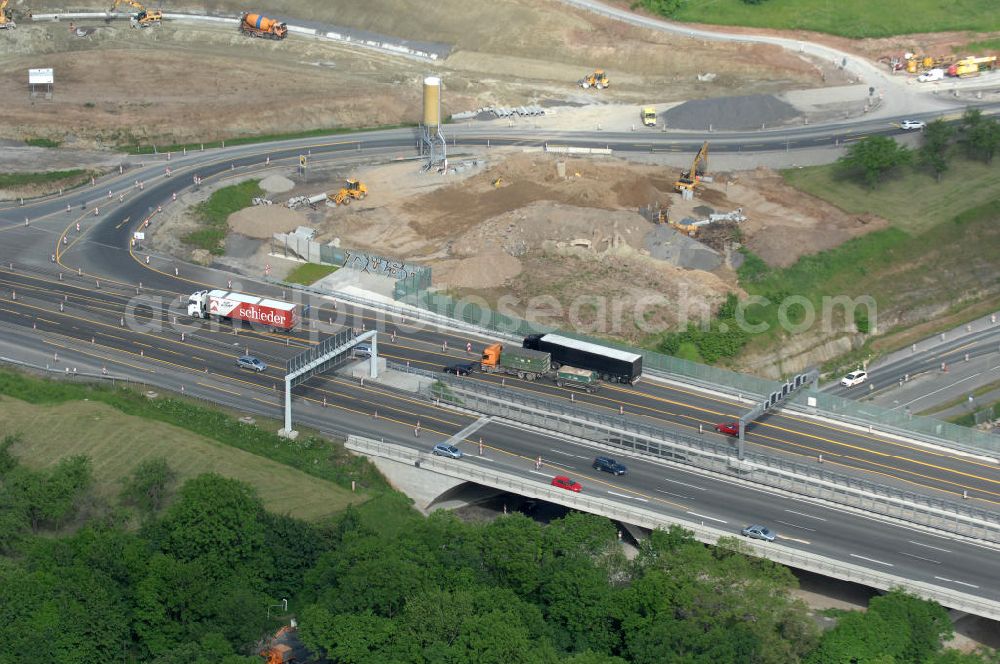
<point x="6" y="16"/>
<point x="598" y="79"/>
<point x="690" y="178"/>
<point x="354" y="189"/>
<point x="143" y="18"/>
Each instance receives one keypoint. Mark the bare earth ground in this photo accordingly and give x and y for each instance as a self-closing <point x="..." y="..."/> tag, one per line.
<point x="121" y="85"/>
<point x="537" y="234"/>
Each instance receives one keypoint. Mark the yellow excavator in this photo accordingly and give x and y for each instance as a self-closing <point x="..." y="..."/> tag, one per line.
<point x="143" y="18"/>
<point x="354" y="189"/>
<point x="689" y="179"/>
<point x="6" y="16"/>
<point x="597" y="79"/>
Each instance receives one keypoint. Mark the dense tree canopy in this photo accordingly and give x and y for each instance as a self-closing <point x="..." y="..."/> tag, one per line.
<point x="383" y="585"/>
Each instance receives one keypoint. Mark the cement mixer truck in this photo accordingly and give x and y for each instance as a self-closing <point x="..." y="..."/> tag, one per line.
<point x="257" y="25"/>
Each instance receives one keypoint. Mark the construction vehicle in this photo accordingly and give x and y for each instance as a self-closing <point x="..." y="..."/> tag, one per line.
<point x="6" y="16"/>
<point x="143" y="18"/>
<point x="699" y="166"/>
<point x="354" y="189"/>
<point x="598" y="79"/>
<point x="524" y="363"/>
<point x="582" y="379"/>
<point x="258" y="25"/>
<point x="972" y="66"/>
<point x="649" y="116"/>
<point x="277" y="652"/>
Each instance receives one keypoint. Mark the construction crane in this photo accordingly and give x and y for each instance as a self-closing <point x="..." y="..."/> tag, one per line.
<point x="689" y="179"/>
<point x="6" y="16"/>
<point x="143" y="17"/>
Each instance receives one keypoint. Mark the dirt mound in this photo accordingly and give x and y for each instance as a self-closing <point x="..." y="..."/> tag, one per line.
<point x="479" y="272"/>
<point x="276" y="184"/>
<point x="263" y="221"/>
<point x="531" y="178"/>
<point x="744" y="112"/>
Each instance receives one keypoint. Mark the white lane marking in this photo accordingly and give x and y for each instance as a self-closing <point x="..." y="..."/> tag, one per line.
<point x="699" y="488"/>
<point x="936" y="562"/>
<point x="961" y="583"/>
<point x="482" y="458"/>
<point x="872" y="560"/>
<point x="676" y="495"/>
<point x="576" y="456"/>
<point x="622" y="495"/>
<point x="540" y="473"/>
<point x="808" y="516"/>
<point x="795" y="525"/>
<point x="793" y="539"/>
<point x="936" y="548"/>
<point x="710" y="518"/>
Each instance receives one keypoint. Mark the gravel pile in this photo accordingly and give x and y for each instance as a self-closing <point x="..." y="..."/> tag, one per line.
<point x="276" y="184"/>
<point x="722" y="113"/>
<point x="666" y="244"/>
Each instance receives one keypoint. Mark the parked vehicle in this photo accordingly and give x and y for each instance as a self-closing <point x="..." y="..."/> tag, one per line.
<point x="931" y="75"/>
<point x="564" y="482"/>
<point x="854" y="378"/>
<point x="758" y="532"/>
<point x="251" y="362"/>
<point x="611" y="364"/>
<point x="463" y="369"/>
<point x="256" y="25"/>
<point x="450" y="451"/>
<point x="728" y="428"/>
<point x="609" y="465"/>
<point x="225" y="305"/>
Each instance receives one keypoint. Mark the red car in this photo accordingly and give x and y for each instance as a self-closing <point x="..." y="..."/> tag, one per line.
<point x="728" y="428"/>
<point x="564" y="482"/>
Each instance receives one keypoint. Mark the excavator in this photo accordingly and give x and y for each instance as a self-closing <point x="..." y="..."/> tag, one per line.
<point x="6" y="16"/>
<point x="354" y="189"/>
<point x="144" y="18"/>
<point x="689" y="179"/>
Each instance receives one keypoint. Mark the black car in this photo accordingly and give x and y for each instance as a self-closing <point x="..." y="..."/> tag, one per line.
<point x="463" y="369"/>
<point x="609" y="465"/>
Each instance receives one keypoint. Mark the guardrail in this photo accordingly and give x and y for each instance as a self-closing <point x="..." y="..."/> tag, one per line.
<point x="650" y="519"/>
<point x="661" y="443"/>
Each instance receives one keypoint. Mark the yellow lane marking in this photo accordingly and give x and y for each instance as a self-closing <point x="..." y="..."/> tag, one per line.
<point x="216" y="387"/>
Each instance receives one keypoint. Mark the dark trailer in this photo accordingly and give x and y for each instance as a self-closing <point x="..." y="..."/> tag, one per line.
<point x="614" y="365"/>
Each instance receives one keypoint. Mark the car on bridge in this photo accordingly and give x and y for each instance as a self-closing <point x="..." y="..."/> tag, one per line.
<point x="609" y="465"/>
<point x="450" y="451"/>
<point x="564" y="482"/>
<point x="461" y="369"/>
<point x="728" y="428"/>
<point x="251" y="362"/>
<point x="854" y="378"/>
<point x="758" y="532"/>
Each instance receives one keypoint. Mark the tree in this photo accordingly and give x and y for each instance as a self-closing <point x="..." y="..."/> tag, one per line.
<point x="934" y="151"/>
<point x="149" y="485"/>
<point x="662" y="7"/>
<point x="216" y="521"/>
<point x="980" y="135"/>
<point x="512" y="553"/>
<point x="874" y="157"/>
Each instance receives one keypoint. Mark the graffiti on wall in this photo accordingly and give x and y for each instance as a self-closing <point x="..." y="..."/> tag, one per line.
<point x="372" y="264"/>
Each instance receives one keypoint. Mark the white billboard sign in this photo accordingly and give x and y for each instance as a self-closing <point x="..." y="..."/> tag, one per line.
<point x="40" y="77"/>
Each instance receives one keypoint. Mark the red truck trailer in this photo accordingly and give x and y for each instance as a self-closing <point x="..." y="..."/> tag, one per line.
<point x="224" y="304"/>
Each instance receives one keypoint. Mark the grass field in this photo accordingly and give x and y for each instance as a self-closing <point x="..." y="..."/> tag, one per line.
<point x="913" y="201"/>
<point x="70" y="178"/>
<point x="42" y="142"/>
<point x="215" y="212"/>
<point x="309" y="273"/>
<point x="849" y="18"/>
<point x="116" y="443"/>
<point x="939" y="255"/>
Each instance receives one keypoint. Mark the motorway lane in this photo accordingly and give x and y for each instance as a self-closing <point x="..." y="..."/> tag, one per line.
<point x="650" y="403"/>
<point x="691" y="496"/>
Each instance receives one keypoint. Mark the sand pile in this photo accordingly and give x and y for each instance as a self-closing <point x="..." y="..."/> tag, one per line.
<point x="265" y="220"/>
<point x="477" y="272"/>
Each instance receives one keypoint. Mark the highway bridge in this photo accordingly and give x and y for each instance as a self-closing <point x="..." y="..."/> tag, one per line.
<point x="86" y="296"/>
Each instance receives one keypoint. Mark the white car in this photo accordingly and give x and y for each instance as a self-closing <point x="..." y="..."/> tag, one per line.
<point x="854" y="378"/>
<point x="912" y="124"/>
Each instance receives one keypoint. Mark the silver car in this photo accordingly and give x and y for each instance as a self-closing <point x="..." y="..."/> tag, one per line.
<point x="443" y="449"/>
<point x="758" y="532"/>
<point x="251" y="362"/>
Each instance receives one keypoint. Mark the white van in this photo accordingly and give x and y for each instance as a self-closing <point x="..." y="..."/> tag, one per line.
<point x="931" y="75"/>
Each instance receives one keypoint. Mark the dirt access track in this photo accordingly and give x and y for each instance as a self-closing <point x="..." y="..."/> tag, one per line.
<point x="186" y="81"/>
